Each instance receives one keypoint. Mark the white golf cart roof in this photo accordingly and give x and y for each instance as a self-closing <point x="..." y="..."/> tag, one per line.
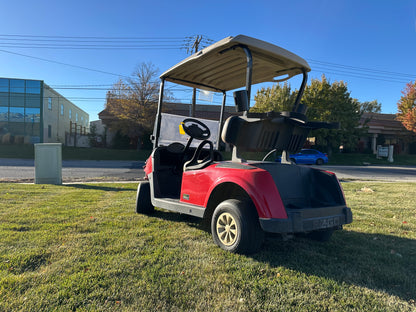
<point x="222" y="66"/>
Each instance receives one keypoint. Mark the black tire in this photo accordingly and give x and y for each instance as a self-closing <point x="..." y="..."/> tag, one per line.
<point x="235" y="227"/>
<point x="293" y="160"/>
<point x="143" y="200"/>
<point x="322" y="235"/>
<point x="319" y="161"/>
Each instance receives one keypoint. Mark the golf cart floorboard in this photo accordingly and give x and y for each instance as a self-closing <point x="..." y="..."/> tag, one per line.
<point x="174" y="204"/>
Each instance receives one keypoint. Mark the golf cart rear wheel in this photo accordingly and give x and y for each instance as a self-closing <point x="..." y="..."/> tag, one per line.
<point x="235" y="226"/>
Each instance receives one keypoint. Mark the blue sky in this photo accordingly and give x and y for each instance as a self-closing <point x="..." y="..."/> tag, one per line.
<point x="369" y="44"/>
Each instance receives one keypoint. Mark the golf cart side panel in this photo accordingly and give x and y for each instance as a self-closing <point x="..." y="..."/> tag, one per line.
<point x="148" y="167"/>
<point x="198" y="185"/>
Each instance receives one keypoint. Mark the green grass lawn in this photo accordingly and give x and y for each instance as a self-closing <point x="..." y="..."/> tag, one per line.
<point x="82" y="248"/>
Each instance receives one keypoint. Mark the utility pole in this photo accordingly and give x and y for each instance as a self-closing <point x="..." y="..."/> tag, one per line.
<point x="192" y="46"/>
<point x="194" y="49"/>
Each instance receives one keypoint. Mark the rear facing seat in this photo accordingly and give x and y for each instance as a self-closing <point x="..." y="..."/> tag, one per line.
<point x="258" y="135"/>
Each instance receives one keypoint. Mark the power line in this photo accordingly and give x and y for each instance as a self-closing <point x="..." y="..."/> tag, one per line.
<point x="361" y="72"/>
<point x="74" y="42"/>
<point x="92" y="47"/>
<point x="87" y="37"/>
<point x="65" y="64"/>
<point x="361" y="68"/>
<point x="361" y="76"/>
<point x="80" y="86"/>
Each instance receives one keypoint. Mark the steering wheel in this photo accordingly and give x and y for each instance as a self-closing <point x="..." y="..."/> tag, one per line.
<point x="196" y="129"/>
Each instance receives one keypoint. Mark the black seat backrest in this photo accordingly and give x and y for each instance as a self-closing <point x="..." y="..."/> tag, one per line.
<point x="259" y="135"/>
<point x="252" y="134"/>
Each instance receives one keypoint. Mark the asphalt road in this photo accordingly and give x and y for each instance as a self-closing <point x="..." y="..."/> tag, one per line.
<point x="23" y="170"/>
<point x="378" y="173"/>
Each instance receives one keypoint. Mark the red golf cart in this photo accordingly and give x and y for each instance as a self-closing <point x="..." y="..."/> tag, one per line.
<point x="241" y="199"/>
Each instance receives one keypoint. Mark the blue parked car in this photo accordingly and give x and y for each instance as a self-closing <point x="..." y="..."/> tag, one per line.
<point x="308" y="157"/>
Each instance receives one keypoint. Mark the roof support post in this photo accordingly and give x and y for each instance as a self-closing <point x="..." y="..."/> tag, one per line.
<point x="249" y="73"/>
<point x="300" y="93"/>
<point x="221" y="123"/>
<point x="156" y="129"/>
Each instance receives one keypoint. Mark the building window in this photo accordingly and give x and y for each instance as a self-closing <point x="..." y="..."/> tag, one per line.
<point x="76" y="117"/>
<point x="4" y="114"/>
<point x="33" y="87"/>
<point x="50" y="103"/>
<point x="70" y="114"/>
<point x="16" y="114"/>
<point x="49" y="131"/>
<point x="62" y="109"/>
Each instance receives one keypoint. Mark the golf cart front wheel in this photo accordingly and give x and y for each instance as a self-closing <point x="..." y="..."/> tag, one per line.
<point x="235" y="226"/>
<point x="143" y="200"/>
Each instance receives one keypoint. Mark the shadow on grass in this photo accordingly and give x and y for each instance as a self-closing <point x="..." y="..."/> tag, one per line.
<point x="103" y="187"/>
<point x="177" y="217"/>
<point x="374" y="261"/>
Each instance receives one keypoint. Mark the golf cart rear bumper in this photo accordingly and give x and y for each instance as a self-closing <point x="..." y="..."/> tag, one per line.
<point x="309" y="219"/>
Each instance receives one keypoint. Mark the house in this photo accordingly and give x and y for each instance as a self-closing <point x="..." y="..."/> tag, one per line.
<point x="384" y="129"/>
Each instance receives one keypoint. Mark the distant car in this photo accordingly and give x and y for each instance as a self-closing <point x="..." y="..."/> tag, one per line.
<point x="308" y="157"/>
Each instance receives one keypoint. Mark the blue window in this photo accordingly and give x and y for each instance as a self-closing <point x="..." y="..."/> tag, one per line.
<point x="4" y="85"/>
<point x="17" y="86"/>
<point x="32" y="87"/>
<point x="32" y="115"/>
<point x="17" y="114"/>
<point x="4" y="113"/>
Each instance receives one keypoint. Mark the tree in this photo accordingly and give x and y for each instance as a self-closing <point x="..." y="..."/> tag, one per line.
<point x="370" y="107"/>
<point x="277" y="98"/>
<point x="132" y="102"/>
<point x="407" y="107"/>
<point x="333" y="103"/>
